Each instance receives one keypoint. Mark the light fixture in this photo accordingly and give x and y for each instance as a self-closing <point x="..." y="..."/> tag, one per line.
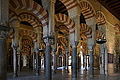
<point x="102" y="39"/>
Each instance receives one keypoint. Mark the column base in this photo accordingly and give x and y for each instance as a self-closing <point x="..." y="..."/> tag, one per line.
<point x="54" y="72"/>
<point x="67" y="71"/>
<point x="15" y="75"/>
<point x="103" y="77"/>
<point x="37" y="74"/>
<point x="91" y="76"/>
<point x="74" y="78"/>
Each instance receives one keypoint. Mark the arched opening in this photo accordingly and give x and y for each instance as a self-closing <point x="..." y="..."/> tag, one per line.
<point x="26" y="59"/>
<point x="25" y="23"/>
<point x="65" y="27"/>
<point x="82" y="19"/>
<point x="60" y="8"/>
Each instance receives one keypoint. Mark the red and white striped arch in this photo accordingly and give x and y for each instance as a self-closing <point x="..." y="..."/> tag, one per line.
<point x="63" y="41"/>
<point x="32" y="34"/>
<point x="70" y="4"/>
<point x="60" y="47"/>
<point x="100" y="18"/>
<point x="86" y="9"/>
<point x="100" y="35"/>
<point x="62" y="18"/>
<point x="30" y="19"/>
<point x="12" y="16"/>
<point x="24" y="17"/>
<point x="85" y="31"/>
<point x="30" y="6"/>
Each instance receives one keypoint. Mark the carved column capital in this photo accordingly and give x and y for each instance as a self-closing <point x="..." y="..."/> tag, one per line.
<point x="15" y="23"/>
<point x="49" y="40"/>
<point x="74" y="44"/>
<point x="3" y="31"/>
<point x="3" y="34"/>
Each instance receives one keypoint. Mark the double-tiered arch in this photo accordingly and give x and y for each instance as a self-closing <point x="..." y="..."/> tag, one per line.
<point x="31" y="19"/>
<point x="69" y="23"/>
<point x="30" y="6"/>
<point x="100" y="18"/>
<point x="86" y="9"/>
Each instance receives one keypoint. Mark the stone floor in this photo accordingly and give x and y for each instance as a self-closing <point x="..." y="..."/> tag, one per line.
<point x="62" y="75"/>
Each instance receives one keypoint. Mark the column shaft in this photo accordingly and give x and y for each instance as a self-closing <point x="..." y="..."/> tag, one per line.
<point x="48" y="63"/>
<point x="106" y="61"/>
<point x="67" y="62"/>
<point x="91" y="69"/>
<point x="19" y="61"/>
<point x="15" y="63"/>
<point x="54" y="62"/>
<point x="37" y="62"/>
<point x="74" y="63"/>
<point x="82" y="63"/>
<point x="15" y="45"/>
<point x="33" y="61"/>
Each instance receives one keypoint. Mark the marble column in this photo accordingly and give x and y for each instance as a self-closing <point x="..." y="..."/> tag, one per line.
<point x="102" y="58"/>
<point x="106" y="60"/>
<point x="37" y="63"/>
<point x="48" y="38"/>
<point x="19" y="55"/>
<point x="15" y="60"/>
<point x="82" y="62"/>
<point x="85" y="62"/>
<point x="36" y="50"/>
<point x="3" y="65"/>
<point x="15" y="45"/>
<point x="54" y="61"/>
<point x="103" y="49"/>
<point x="54" y="52"/>
<point x="48" y="71"/>
<point x="40" y="57"/>
<point x="67" y="60"/>
<point x="74" y="60"/>
<point x="19" y="61"/>
<point x="33" y="58"/>
<point x="63" y="61"/>
<point x="91" y="61"/>
<point x="91" y="43"/>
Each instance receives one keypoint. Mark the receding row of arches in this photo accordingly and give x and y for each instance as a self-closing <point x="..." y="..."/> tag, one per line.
<point x="30" y="22"/>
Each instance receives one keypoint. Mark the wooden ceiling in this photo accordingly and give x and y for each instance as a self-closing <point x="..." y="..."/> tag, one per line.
<point x="39" y="2"/>
<point x="113" y="6"/>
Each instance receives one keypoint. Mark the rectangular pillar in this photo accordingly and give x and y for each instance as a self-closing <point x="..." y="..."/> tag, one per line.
<point x="3" y="20"/>
<point x="2" y="59"/>
<point x="3" y="28"/>
<point x="4" y="12"/>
